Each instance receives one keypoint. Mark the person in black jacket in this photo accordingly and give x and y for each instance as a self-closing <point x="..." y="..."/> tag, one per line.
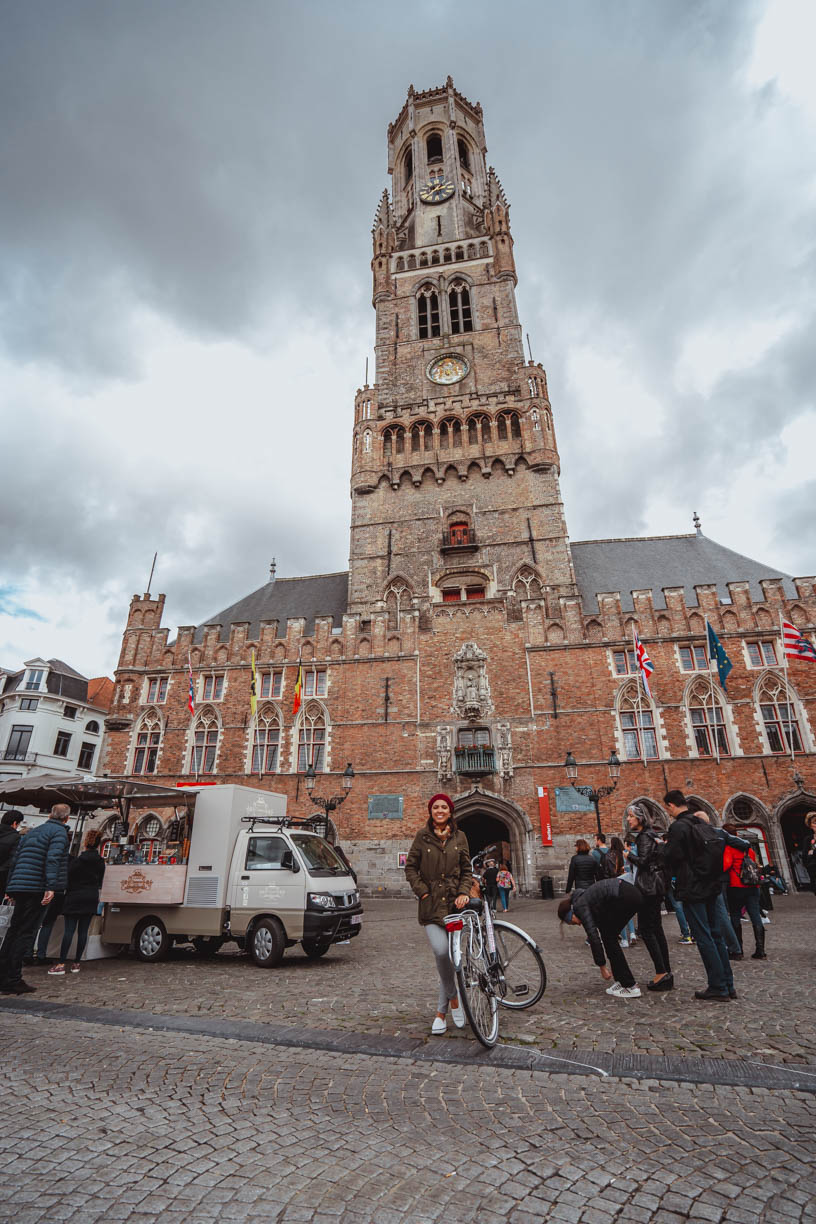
<point x="651" y="880"/>
<point x="698" y="888"/>
<point x="584" y="869"/>
<point x="603" y="910"/>
<point x="9" y="837"/>
<point x="38" y="870"/>
<point x="81" y="901"/>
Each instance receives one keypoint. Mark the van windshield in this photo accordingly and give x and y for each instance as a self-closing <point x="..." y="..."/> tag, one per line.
<point x="319" y="856"/>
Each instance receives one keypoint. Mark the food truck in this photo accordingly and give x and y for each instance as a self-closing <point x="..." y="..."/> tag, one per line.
<point x="235" y="867"/>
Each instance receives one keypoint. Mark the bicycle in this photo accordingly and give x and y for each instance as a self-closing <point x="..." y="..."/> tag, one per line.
<point x="496" y="965"/>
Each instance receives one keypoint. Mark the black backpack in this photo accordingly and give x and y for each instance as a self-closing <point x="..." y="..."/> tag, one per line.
<point x="707" y="863"/>
<point x="749" y="873"/>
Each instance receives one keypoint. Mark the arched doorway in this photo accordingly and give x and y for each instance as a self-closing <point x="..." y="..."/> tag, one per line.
<point x="791" y="814"/>
<point x="696" y="804"/>
<point x="752" y="817"/>
<point x="488" y="820"/>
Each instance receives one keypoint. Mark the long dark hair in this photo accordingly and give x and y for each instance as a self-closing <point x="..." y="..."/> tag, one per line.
<point x="614" y="864"/>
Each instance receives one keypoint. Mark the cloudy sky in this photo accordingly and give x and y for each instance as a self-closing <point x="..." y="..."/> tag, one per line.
<point x="185" y="309"/>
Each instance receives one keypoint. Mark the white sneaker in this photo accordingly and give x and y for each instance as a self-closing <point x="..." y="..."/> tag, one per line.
<point x="458" y="1015"/>
<point x="623" y="992"/>
<point x="623" y="943"/>
<point x="766" y="922"/>
<point x="439" y="1026"/>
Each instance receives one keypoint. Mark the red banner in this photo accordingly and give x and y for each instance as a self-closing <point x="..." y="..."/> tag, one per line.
<point x="544" y="815"/>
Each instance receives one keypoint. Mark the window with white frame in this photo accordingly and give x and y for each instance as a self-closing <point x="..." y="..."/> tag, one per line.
<point x="18" y="741"/>
<point x="271" y="684"/>
<point x="148" y="739"/>
<point x="707" y="721"/>
<point x="266" y="743"/>
<point x="212" y="687"/>
<point x="762" y="653"/>
<point x="624" y="662"/>
<point x="157" y="689"/>
<point x="314" y="683"/>
<point x="205" y="743"/>
<point x="69" y="711"/>
<point x="693" y="658"/>
<point x="29" y="703"/>
<point x="86" y="756"/>
<point x="311" y="739"/>
<point x="62" y="744"/>
<point x="779" y="717"/>
<point x="637" y="722"/>
<point x="34" y="679"/>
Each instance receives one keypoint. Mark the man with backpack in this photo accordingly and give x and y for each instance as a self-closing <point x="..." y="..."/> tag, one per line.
<point x="694" y="853"/>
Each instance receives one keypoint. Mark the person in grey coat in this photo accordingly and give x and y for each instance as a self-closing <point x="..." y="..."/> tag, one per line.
<point x="38" y="869"/>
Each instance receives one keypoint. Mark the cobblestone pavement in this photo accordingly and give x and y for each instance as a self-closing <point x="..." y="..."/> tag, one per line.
<point x="100" y="1124"/>
<point x="384" y="982"/>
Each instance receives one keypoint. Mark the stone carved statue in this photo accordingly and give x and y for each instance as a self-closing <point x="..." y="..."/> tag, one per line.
<point x="471" y="688"/>
<point x="504" y="745"/>
<point x="444" y="739"/>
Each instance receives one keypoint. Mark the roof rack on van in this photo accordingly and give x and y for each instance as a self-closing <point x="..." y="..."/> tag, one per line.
<point x="285" y="822"/>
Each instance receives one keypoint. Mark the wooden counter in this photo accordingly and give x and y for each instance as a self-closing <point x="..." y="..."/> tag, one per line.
<point x="144" y="885"/>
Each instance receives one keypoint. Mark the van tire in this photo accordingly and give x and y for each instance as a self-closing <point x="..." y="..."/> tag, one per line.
<point x="267" y="943"/>
<point x="150" y="940"/>
<point x="315" y="948"/>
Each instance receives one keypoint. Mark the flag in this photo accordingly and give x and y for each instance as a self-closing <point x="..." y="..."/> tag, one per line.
<point x="191" y="696"/>
<point x="253" y="688"/>
<point x="644" y="663"/>
<point x="298" y="690"/>
<point x="716" y="650"/>
<point x="797" y="646"/>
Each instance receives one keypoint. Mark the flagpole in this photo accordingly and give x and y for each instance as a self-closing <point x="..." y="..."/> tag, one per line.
<point x="787" y="689"/>
<point x="191" y="705"/>
<point x="639" y="705"/>
<point x="713" y="710"/>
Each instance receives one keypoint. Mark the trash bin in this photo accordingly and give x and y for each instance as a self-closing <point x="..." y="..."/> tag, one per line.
<point x="547" y="892"/>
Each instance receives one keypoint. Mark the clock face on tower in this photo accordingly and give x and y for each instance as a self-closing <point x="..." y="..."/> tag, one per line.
<point x="436" y="192"/>
<point x="447" y="369"/>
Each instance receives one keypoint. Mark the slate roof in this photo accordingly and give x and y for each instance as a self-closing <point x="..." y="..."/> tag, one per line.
<point x="655" y="562"/>
<point x="315" y="595"/>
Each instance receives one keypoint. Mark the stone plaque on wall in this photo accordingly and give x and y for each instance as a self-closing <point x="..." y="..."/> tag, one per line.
<point x="385" y="807"/>
<point x="568" y="799"/>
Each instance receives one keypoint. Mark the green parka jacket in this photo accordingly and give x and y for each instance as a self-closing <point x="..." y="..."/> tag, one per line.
<point x="440" y="869"/>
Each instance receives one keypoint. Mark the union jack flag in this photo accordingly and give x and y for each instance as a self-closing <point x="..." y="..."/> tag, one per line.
<point x="644" y="663"/>
<point x="797" y="646"/>
<point x="191" y="696"/>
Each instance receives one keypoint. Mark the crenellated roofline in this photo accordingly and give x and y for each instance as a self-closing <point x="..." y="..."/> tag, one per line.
<point x="437" y="91"/>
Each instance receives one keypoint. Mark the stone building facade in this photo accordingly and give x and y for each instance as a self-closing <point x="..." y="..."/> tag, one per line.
<point x="471" y="645"/>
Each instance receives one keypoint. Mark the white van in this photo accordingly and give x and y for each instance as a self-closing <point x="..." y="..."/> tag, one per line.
<point x="251" y="875"/>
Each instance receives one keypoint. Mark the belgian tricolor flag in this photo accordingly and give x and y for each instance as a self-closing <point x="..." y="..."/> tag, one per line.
<point x="298" y="690"/>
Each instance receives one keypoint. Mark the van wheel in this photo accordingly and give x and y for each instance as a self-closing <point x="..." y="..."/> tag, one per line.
<point x="207" y="945"/>
<point x="266" y="943"/>
<point x="315" y="948"/>
<point x="150" y="940"/>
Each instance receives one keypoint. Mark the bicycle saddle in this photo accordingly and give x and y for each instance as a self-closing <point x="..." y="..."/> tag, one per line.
<point x="475" y="904"/>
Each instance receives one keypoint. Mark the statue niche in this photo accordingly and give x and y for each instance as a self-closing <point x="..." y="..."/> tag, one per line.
<point x="471" y="688"/>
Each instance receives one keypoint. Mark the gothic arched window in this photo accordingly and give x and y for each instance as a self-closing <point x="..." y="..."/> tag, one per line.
<point x="707" y="721"/>
<point x="428" y="438"/>
<point x="461" y="314"/>
<point x="779" y="716"/>
<point x="416" y="438"/>
<point x="433" y="148"/>
<point x="464" y="156"/>
<point x="428" y="312"/>
<point x="148" y="739"/>
<point x="397" y="601"/>
<point x="266" y="743"/>
<point x="508" y="424"/>
<point x="408" y="168"/>
<point x="478" y="428"/>
<point x="205" y="742"/>
<point x="527" y="584"/>
<point x="393" y="441"/>
<point x="312" y="739"/>
<point x="637" y="723"/>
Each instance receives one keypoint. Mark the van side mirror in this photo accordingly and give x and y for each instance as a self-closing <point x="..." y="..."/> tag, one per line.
<point x="289" y="862"/>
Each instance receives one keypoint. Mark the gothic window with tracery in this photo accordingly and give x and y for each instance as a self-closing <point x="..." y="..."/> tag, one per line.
<point x="707" y="721"/>
<point x="428" y="312"/>
<point x="508" y="425"/>
<point x="527" y="584"/>
<point x="266" y="743"/>
<point x="779" y="716"/>
<point x="311" y="739"/>
<point x="397" y="601"/>
<point x="433" y="148"/>
<point x="637" y="723"/>
<point x="205" y="742"/>
<point x="148" y="739"/>
<point x="393" y="441"/>
<point x="461" y="314"/>
<point x="478" y="428"/>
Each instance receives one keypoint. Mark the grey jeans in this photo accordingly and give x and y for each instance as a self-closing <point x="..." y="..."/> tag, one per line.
<point x="438" y="939"/>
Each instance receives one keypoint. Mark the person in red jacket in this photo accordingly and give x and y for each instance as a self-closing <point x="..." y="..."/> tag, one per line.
<point x="740" y="895"/>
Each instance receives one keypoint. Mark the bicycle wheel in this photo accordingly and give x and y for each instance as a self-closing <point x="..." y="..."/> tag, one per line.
<point x="476" y="992"/>
<point x="522" y="966"/>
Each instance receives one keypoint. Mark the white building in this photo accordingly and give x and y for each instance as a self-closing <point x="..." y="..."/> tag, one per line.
<point x="51" y="720"/>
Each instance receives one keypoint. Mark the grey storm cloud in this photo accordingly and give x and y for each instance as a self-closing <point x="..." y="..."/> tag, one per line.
<point x="217" y="166"/>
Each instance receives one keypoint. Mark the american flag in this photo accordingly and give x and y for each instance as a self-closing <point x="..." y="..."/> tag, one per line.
<point x="190" y="698"/>
<point x="644" y="663"/>
<point x="797" y="646"/>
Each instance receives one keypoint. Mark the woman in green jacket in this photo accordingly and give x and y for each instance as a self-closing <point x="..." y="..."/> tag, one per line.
<point x="438" y="870"/>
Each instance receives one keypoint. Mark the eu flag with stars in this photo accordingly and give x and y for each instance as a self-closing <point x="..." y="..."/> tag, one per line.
<point x="716" y="650"/>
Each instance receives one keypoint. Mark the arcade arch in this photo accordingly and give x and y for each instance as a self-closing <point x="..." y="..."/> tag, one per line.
<point x="487" y="819"/>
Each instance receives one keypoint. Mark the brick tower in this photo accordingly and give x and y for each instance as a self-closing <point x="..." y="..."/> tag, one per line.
<point x="454" y="482"/>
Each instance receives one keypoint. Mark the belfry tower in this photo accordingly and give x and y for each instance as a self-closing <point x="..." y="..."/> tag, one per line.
<point x="454" y="483"/>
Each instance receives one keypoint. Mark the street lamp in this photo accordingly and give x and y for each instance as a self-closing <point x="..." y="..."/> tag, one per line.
<point x="331" y="802"/>
<point x="594" y="794"/>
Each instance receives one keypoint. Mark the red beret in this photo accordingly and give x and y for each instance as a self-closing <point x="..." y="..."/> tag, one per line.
<point x="434" y="798"/>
